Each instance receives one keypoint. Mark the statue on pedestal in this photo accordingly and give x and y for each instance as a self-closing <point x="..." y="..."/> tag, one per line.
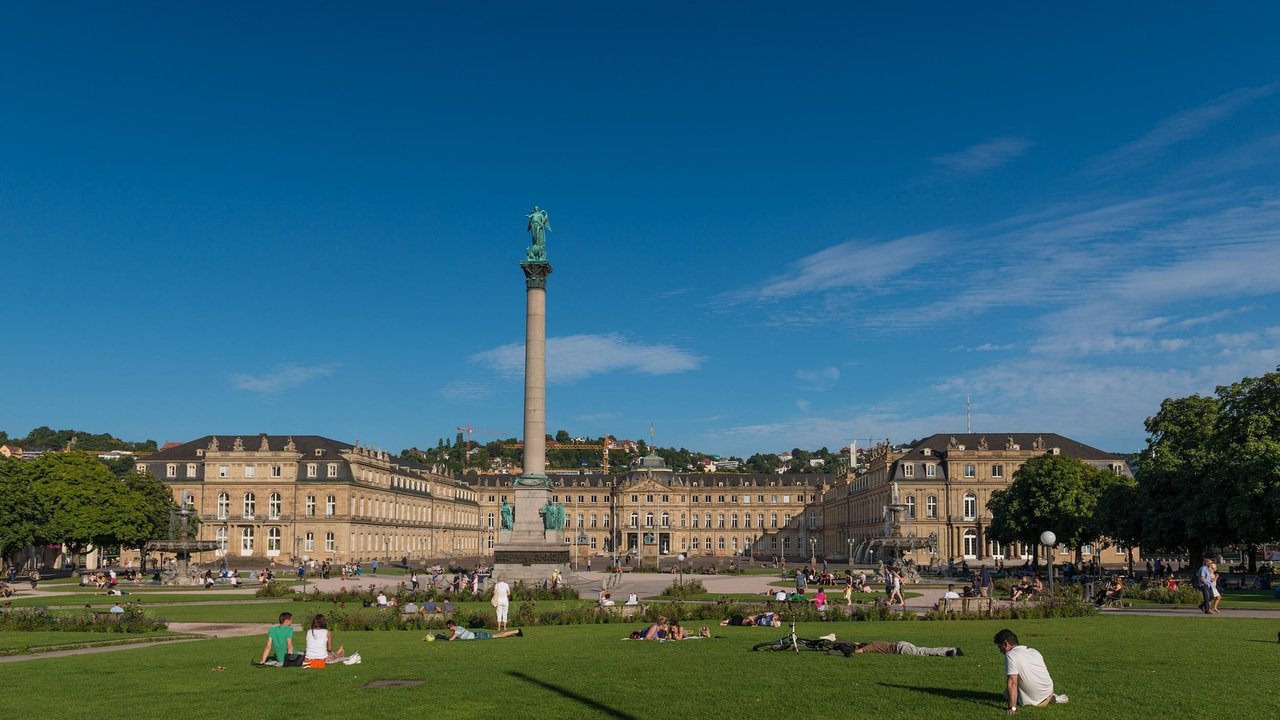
<point x="539" y="226"/>
<point x="508" y="516"/>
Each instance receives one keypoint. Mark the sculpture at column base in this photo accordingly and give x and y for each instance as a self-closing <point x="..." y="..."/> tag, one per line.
<point x="533" y="480"/>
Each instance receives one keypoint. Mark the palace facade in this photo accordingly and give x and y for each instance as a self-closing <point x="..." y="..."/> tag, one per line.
<point x="652" y="514"/>
<point x="931" y="500"/>
<point x="281" y="497"/>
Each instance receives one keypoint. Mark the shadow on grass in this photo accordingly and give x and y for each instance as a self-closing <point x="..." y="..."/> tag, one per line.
<point x="565" y="692"/>
<point x="977" y="697"/>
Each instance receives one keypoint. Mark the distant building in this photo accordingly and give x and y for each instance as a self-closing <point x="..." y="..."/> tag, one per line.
<point x="279" y="497"/>
<point x="653" y="513"/>
<point x="938" y="490"/>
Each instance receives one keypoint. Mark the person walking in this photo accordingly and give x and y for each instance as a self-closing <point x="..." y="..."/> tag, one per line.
<point x="1027" y="680"/>
<point x="1205" y="579"/>
<point x="1217" y="594"/>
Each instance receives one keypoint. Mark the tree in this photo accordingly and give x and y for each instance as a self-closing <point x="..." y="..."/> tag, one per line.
<point x="21" y="514"/>
<point x="149" y="504"/>
<point x="1247" y="442"/>
<point x="1179" y="486"/>
<point x="562" y="436"/>
<point x="1050" y="492"/>
<point x="1119" y="515"/>
<point x="84" y="500"/>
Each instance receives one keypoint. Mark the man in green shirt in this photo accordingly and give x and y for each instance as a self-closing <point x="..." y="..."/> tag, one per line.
<point x="279" y="641"/>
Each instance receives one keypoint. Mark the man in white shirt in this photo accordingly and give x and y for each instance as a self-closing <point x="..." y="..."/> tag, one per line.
<point x="1027" y="680"/>
<point x="951" y="593"/>
<point x="502" y="601"/>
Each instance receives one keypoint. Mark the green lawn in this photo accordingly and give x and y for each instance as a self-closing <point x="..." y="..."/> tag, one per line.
<point x="1116" y="667"/>
<point x="80" y="599"/>
<point x="11" y="641"/>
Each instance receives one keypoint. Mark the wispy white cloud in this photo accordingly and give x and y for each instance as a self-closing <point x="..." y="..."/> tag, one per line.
<point x="466" y="390"/>
<point x="820" y="378"/>
<point x="854" y="263"/>
<point x="803" y="405"/>
<point x="984" y="156"/>
<point x="1212" y="317"/>
<point x="1180" y="127"/>
<point x="984" y="347"/>
<point x="284" y="377"/>
<point x="578" y="356"/>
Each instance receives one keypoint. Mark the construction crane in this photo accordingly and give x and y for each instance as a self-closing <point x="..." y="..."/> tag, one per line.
<point x="468" y="430"/>
<point x="603" y="447"/>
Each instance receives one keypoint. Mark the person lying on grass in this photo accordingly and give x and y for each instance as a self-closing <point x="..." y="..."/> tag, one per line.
<point x="902" y="647"/>
<point x="461" y="633"/>
<point x="764" y="619"/>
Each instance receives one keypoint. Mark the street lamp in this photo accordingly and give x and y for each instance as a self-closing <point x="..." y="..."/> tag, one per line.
<point x="1048" y="539"/>
<point x="813" y="552"/>
<point x="850" y="541"/>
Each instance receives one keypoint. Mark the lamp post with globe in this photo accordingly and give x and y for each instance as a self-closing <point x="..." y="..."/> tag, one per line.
<point x="1048" y="539"/>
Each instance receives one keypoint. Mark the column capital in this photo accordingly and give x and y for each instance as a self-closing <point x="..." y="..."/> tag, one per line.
<point x="535" y="274"/>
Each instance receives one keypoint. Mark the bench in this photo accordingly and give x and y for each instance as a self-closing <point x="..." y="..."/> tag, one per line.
<point x="967" y="605"/>
<point x="624" y="611"/>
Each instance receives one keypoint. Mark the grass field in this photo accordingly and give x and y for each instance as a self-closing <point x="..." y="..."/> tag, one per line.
<point x="1117" y="667"/>
<point x="10" y="641"/>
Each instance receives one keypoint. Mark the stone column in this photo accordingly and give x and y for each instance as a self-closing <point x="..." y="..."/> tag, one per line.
<point x="535" y="370"/>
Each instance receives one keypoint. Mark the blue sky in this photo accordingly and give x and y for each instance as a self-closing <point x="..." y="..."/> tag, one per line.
<point x="772" y="226"/>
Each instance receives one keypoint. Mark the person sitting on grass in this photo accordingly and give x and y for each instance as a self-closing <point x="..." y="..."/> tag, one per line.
<point x="280" y="643"/>
<point x="657" y="631"/>
<point x="820" y="600"/>
<point x="1027" y="680"/>
<point x="461" y="633"/>
<point x="764" y="619"/>
<point x="320" y="646"/>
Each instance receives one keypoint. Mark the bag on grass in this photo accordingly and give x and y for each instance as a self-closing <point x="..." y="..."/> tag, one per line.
<point x="293" y="660"/>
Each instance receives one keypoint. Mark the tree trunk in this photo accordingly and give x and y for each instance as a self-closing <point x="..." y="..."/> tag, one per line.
<point x="1253" y="559"/>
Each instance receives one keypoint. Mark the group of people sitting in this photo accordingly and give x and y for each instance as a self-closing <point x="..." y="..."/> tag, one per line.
<point x="319" y="652"/>
<point x="663" y="630"/>
<point x="1027" y="588"/>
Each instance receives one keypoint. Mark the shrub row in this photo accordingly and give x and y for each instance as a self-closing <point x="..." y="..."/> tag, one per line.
<point x="132" y="620"/>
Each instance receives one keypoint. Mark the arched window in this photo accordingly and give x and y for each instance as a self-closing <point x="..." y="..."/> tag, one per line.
<point x="720" y="544"/>
<point x="773" y="520"/>
<point x="635" y="519"/>
<point x="220" y="536"/>
<point x="666" y="520"/>
<point x="309" y="544"/>
<point x="970" y="544"/>
<point x="648" y="519"/>
<point x="735" y="544"/>
<point x="721" y="525"/>
<point x="273" y="507"/>
<point x="250" y="506"/>
<point x="708" y="543"/>
<point x="311" y="506"/>
<point x="733" y="521"/>
<point x="273" y="540"/>
<point x="911" y="507"/>
<point x="224" y="508"/>
<point x="246" y="540"/>
<point x="970" y="506"/>
<point x="708" y="519"/>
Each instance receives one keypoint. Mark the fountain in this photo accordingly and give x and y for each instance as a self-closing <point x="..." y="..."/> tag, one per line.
<point x="181" y="543"/>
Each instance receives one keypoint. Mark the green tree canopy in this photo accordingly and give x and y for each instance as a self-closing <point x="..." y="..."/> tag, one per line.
<point x="22" y="515"/>
<point x="1050" y="492"/>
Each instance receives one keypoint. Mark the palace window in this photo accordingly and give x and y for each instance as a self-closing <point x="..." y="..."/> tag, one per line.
<point x="970" y="506"/>
<point x="309" y="544"/>
<point x="930" y="470"/>
<point x="997" y="471"/>
<point x="666" y="520"/>
<point x="695" y="519"/>
<point x="250" y="506"/>
<point x="773" y="520"/>
<point x="250" y="471"/>
<point x="648" y="519"/>
<point x="328" y="542"/>
<point x="273" y="539"/>
<point x="908" y="470"/>
<point x="220" y="536"/>
<point x="273" y="506"/>
<point x="311" y="470"/>
<point x="721" y="521"/>
<point x="970" y="544"/>
<point x="911" y="507"/>
<point x="931" y="507"/>
<point x="224" y="471"/>
<point x="224" y="506"/>
<point x="331" y="506"/>
<point x="276" y="471"/>
<point x="311" y="506"/>
<point x="246" y="541"/>
<point x="333" y="470"/>
<point x="635" y="519"/>
<point x="171" y="470"/>
<point x="191" y="470"/>
<point x="970" y="470"/>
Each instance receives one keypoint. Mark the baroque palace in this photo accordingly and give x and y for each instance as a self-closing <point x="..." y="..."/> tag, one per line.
<point x="268" y="497"/>
<point x="265" y="497"/>
<point x="652" y="513"/>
